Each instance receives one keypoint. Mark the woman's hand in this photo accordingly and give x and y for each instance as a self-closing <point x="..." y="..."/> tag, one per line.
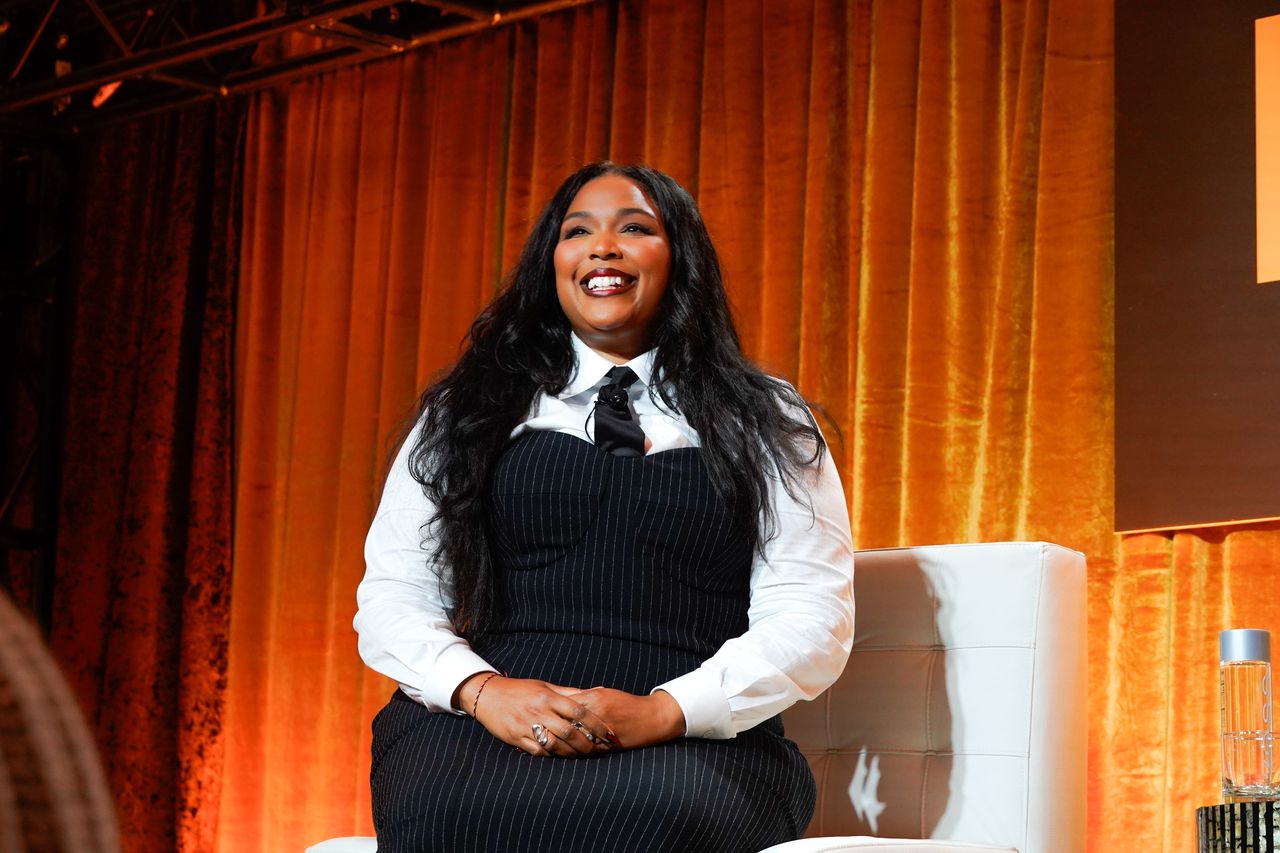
<point x="637" y="720"/>
<point x="510" y="707"/>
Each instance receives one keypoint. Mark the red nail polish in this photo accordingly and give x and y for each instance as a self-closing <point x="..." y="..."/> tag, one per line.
<point x="613" y="738"/>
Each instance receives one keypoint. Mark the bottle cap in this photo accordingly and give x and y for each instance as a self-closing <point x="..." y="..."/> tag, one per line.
<point x="1241" y="644"/>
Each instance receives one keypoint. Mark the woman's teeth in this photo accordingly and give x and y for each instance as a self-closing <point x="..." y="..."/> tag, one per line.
<point x="605" y="282"/>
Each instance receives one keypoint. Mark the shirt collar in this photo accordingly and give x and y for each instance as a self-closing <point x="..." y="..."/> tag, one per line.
<point x="592" y="366"/>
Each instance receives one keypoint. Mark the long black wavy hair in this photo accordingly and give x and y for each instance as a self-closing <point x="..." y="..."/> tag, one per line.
<point x="750" y="425"/>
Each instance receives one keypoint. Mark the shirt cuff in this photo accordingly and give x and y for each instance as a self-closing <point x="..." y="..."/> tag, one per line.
<point x="706" y="710"/>
<point x="454" y="666"/>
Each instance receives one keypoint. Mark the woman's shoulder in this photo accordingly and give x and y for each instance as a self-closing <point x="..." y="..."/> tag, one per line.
<point x="793" y="403"/>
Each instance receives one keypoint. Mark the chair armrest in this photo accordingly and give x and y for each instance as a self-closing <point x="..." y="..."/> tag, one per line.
<point x="896" y="845"/>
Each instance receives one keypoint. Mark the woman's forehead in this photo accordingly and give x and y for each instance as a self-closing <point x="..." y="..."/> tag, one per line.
<point x="609" y="194"/>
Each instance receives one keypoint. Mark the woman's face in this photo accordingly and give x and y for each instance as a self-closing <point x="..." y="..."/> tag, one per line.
<point x="611" y="266"/>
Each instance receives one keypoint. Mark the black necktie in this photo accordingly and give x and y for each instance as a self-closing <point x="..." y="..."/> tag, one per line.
<point x="617" y="430"/>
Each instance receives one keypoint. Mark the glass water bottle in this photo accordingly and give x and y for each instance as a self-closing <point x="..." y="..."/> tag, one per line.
<point x="1245" y="679"/>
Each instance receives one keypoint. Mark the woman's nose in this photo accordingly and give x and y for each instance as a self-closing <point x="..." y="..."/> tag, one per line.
<point x="604" y="247"/>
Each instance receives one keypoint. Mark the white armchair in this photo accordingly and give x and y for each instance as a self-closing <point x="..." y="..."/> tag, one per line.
<point x="961" y="713"/>
<point x="959" y="724"/>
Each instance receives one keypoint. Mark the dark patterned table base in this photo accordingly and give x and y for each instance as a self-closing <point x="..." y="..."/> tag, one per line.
<point x="1239" y="828"/>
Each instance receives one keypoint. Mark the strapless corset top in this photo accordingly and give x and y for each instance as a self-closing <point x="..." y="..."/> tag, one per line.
<point x="638" y="549"/>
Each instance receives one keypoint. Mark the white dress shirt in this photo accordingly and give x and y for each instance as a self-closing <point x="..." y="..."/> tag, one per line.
<point x="800" y="617"/>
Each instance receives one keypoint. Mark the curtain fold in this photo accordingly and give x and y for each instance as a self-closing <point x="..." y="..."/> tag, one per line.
<point x="142" y="593"/>
<point x="913" y="206"/>
<point x="1154" y="740"/>
<point x="375" y="217"/>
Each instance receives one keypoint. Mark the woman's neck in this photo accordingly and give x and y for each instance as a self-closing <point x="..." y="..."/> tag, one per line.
<point x="618" y="352"/>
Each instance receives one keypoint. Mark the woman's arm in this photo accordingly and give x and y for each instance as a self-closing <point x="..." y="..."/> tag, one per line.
<point x="405" y="634"/>
<point x="798" y="640"/>
<point x="402" y="619"/>
<point x="800" y="618"/>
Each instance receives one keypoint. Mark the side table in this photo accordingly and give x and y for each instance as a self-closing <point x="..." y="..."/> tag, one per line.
<point x="1238" y="828"/>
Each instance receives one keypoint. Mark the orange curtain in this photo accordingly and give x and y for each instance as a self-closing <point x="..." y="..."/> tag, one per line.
<point x="913" y="203"/>
<point x="141" y="612"/>
<point x="1154" y="749"/>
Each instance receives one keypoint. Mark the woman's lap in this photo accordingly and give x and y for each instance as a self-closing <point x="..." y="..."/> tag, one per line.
<point x="441" y="782"/>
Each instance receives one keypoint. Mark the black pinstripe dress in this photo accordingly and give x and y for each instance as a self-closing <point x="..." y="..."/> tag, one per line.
<point x="615" y="571"/>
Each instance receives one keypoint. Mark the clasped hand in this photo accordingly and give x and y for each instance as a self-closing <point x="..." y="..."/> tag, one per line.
<point x="572" y="722"/>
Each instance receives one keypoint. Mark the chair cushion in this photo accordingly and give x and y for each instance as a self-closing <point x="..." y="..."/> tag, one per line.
<point x="351" y="844"/>
<point x="897" y="845"/>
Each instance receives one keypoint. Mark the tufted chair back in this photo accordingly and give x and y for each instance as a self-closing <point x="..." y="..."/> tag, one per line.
<point x="961" y="713"/>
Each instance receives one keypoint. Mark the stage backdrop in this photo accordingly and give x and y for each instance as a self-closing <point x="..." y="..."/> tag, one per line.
<point x="913" y="203"/>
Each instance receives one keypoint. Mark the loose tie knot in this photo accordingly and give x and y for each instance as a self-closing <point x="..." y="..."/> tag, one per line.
<point x="616" y="394"/>
<point x="616" y="431"/>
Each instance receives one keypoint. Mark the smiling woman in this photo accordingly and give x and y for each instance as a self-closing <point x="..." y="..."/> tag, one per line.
<point x="608" y="538"/>
<point x="611" y="266"/>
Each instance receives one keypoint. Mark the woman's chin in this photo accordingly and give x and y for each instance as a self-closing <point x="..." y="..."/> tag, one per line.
<point x="611" y="324"/>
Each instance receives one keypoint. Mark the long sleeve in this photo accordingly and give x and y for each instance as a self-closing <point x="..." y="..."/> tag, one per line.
<point x="800" y="618"/>
<point x="402" y="618"/>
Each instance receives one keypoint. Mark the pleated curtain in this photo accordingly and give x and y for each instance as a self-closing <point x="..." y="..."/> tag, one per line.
<point x="913" y="205"/>
<point x="141" y="607"/>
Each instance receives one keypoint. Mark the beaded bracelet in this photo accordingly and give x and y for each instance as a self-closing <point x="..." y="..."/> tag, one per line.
<point x="475" y="703"/>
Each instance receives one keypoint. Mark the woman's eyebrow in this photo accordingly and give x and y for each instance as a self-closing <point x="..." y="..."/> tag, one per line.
<point x="622" y="211"/>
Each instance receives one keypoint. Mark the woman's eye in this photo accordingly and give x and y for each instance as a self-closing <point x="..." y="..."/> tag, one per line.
<point x="635" y="228"/>
<point x="573" y="232"/>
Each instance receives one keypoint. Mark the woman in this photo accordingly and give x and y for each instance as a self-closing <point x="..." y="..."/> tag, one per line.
<point x="609" y="538"/>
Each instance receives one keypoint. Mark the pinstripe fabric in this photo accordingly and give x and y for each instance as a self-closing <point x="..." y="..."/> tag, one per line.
<point x="615" y="571"/>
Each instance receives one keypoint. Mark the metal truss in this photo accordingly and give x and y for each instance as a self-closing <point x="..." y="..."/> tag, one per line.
<point x="71" y="65"/>
<point x="34" y="219"/>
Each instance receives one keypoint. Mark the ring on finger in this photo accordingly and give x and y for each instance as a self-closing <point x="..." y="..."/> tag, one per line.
<point x="586" y="733"/>
<point x="540" y="735"/>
